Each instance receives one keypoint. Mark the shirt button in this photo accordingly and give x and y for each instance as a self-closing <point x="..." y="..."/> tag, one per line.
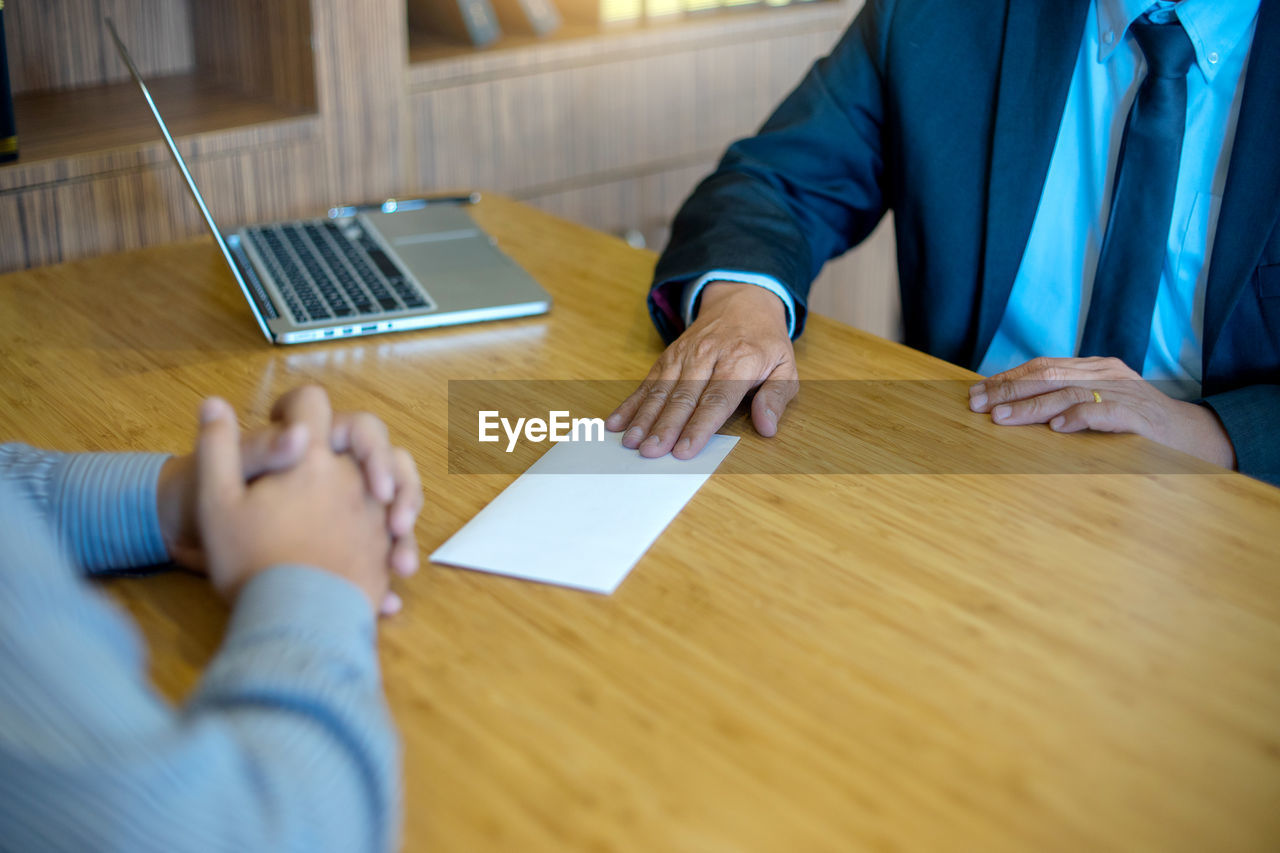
<point x="1213" y="59"/>
<point x="1109" y="37"/>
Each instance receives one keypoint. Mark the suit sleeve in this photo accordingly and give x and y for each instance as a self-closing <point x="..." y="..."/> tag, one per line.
<point x="803" y="190"/>
<point x="1250" y="415"/>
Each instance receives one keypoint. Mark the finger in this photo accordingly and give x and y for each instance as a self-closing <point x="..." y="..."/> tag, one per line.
<point x="654" y="392"/>
<point x="998" y="388"/>
<point x="679" y="383"/>
<point x="309" y="405"/>
<point x="987" y="395"/>
<point x="371" y="446"/>
<point x="774" y="396"/>
<point x="218" y="466"/>
<point x="340" y="432"/>
<point x="1042" y="375"/>
<point x="1040" y="365"/>
<point x="653" y="399"/>
<point x="391" y="605"/>
<point x="409" y="498"/>
<point x="1107" y="416"/>
<point x="720" y="399"/>
<point x="622" y="416"/>
<point x="272" y="448"/>
<point x="404" y="555"/>
<point x="682" y="399"/>
<point x="1040" y="409"/>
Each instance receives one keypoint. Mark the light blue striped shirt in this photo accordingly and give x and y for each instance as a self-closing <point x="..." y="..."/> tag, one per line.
<point x="286" y="744"/>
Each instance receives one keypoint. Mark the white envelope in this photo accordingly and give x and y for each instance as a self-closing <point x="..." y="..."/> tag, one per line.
<point x="583" y="515"/>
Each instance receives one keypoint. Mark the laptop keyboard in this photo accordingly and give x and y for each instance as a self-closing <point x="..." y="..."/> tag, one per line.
<point x="325" y="276"/>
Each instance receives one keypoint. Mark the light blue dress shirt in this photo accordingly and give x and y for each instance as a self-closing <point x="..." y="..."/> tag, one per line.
<point x="285" y="746"/>
<point x="689" y="303"/>
<point x="1050" y="297"/>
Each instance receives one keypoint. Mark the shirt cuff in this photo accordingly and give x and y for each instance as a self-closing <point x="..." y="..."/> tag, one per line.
<point x="296" y="622"/>
<point x="693" y="292"/>
<point x="107" y="514"/>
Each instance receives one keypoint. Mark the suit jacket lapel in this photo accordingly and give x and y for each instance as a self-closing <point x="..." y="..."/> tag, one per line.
<point x="1041" y="43"/>
<point x="1251" y="198"/>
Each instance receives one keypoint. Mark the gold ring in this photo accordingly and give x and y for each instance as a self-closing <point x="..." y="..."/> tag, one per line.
<point x="1097" y="398"/>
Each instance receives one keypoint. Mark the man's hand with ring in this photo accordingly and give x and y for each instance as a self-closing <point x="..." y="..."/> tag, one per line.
<point x="1103" y="394"/>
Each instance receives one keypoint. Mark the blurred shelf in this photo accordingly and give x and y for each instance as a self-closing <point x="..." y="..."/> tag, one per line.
<point x="435" y="62"/>
<point x="86" y="131"/>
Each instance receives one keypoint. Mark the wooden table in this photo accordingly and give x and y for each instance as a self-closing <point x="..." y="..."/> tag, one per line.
<point x="927" y="661"/>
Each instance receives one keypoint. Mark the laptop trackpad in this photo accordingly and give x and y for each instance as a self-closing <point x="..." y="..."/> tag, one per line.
<point x="454" y="260"/>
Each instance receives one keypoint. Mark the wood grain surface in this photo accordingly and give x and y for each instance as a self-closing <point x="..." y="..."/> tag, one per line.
<point x="963" y="661"/>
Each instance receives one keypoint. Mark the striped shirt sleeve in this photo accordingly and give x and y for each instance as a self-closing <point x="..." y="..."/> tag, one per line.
<point x="102" y="506"/>
<point x="286" y="744"/>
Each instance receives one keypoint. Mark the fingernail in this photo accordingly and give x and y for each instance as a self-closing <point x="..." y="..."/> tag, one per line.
<point x="977" y="401"/>
<point x="290" y="438"/>
<point x="211" y="410"/>
<point x="653" y="440"/>
<point x="408" y="563"/>
<point x="386" y="488"/>
<point x="1001" y="412"/>
<point x="634" y="435"/>
<point x="771" y="415"/>
<point x="391" y="604"/>
<point x="1057" y="423"/>
<point x="977" y="388"/>
<point x="613" y="423"/>
<point x="684" y="445"/>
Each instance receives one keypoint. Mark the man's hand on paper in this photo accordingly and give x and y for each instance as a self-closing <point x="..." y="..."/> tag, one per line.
<point x="738" y="342"/>
<point x="1103" y="394"/>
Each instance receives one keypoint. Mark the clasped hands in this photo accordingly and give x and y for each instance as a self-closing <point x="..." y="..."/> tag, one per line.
<point x="311" y="488"/>
<point x="739" y="341"/>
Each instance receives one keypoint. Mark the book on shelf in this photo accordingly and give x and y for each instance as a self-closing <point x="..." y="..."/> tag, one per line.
<point x="471" y="21"/>
<point x="538" y="17"/>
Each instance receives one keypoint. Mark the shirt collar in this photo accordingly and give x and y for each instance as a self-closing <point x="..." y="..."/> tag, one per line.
<point x="1216" y="27"/>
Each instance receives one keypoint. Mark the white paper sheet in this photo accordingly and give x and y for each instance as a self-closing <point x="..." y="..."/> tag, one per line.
<point x="577" y="529"/>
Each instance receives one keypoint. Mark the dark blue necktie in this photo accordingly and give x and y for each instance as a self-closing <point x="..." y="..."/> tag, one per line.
<point x="1133" y="250"/>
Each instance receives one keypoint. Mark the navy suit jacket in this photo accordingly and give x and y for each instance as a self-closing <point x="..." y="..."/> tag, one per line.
<point x="947" y="114"/>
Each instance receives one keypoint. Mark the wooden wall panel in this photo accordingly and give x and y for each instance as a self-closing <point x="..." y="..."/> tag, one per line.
<point x="13" y="247"/>
<point x="361" y="56"/>
<point x="151" y="205"/>
<point x="260" y="48"/>
<point x="644" y="202"/>
<point x="62" y="44"/>
<point x="522" y="133"/>
<point x="40" y="231"/>
<point x="861" y="287"/>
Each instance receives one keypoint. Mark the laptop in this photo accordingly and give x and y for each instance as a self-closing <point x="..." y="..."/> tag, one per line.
<point x="365" y="270"/>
